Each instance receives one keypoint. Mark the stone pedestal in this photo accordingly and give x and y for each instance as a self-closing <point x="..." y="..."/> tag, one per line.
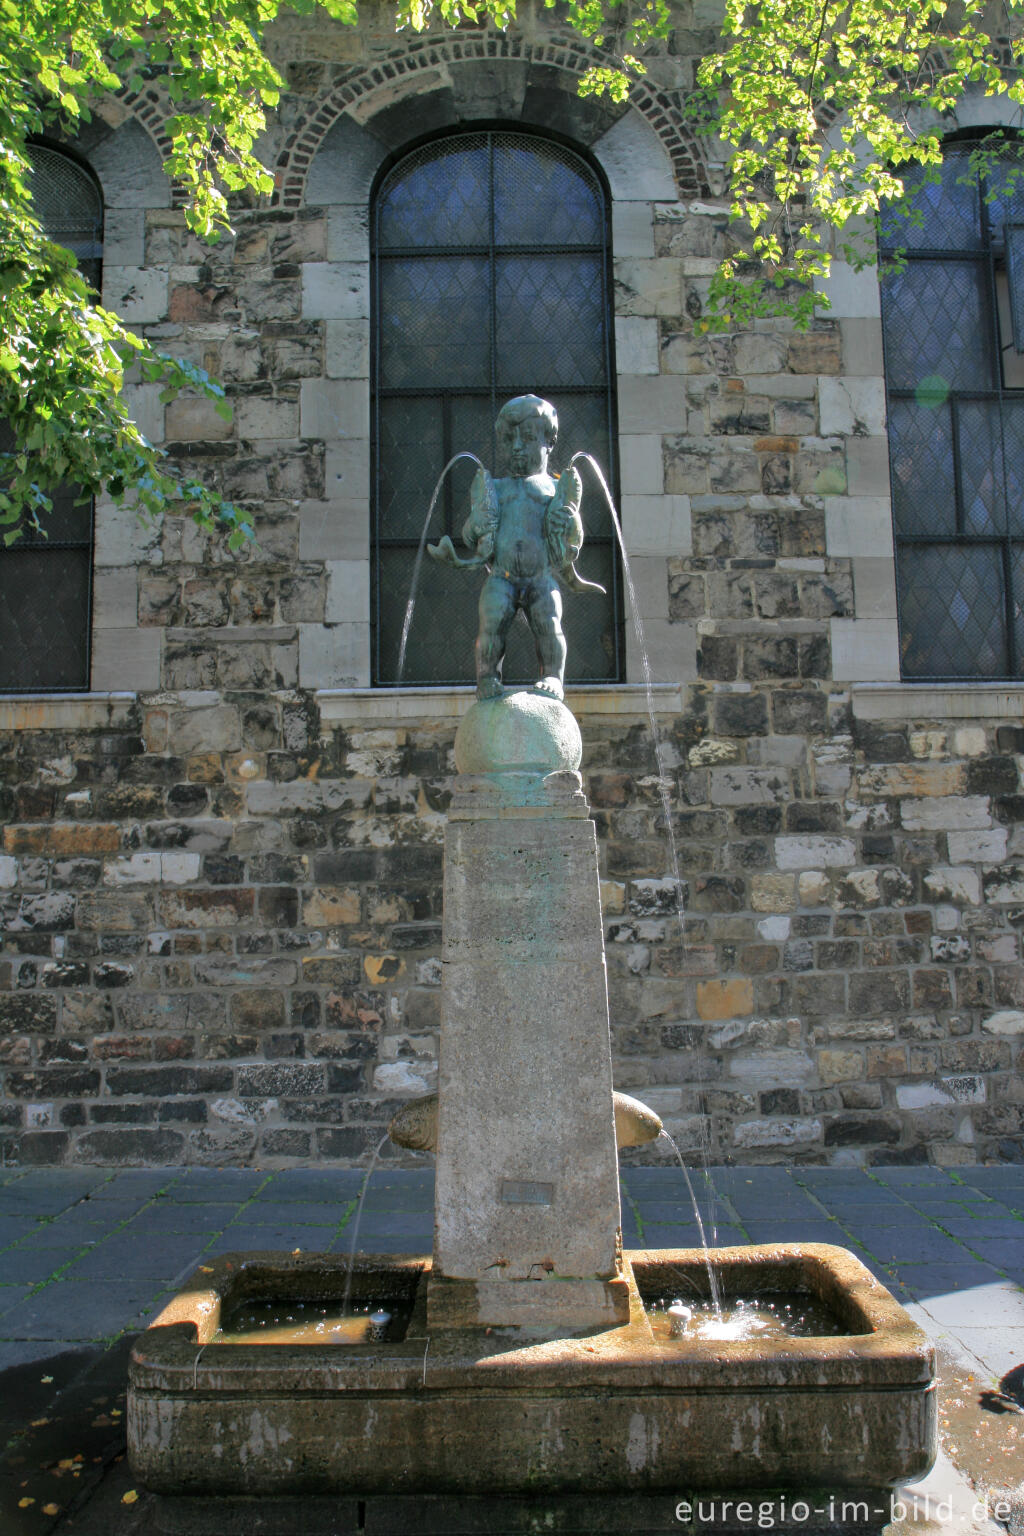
<point x="526" y="1204"/>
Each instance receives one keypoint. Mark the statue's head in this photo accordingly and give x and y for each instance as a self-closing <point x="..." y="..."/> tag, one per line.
<point x="527" y="429"/>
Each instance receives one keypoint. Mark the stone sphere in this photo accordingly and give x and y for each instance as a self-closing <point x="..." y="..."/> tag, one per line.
<point x="518" y="733"/>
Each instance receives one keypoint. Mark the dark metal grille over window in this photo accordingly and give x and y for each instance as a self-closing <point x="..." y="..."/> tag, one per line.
<point x="951" y="323"/>
<point x="490" y="280"/>
<point x="46" y="582"/>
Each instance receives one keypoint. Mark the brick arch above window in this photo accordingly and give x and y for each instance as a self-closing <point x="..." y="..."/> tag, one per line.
<point x="433" y="84"/>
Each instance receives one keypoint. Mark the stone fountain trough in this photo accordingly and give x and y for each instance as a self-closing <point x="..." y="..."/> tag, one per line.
<point x="520" y="1359"/>
<point x="481" y="1410"/>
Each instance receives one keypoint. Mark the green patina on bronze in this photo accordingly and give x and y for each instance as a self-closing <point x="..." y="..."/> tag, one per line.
<point x="526" y="529"/>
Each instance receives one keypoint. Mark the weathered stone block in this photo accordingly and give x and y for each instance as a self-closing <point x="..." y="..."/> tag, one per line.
<point x="865" y="650"/>
<point x="753" y="1134"/>
<point x="648" y="287"/>
<point x="641" y="468"/>
<point x="126" y="658"/>
<point x="335" y="408"/>
<point x="725" y="999"/>
<point x="261" y="418"/>
<point x="858" y="525"/>
<point x="137" y="294"/>
<point x="635" y="162"/>
<point x="851" y="407"/>
<point x="651" y="402"/>
<point x="851" y="294"/>
<point x="335" y="290"/>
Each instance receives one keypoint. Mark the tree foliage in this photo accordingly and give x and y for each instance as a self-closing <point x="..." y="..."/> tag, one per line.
<point x="825" y="106"/>
<point x="820" y="107"/>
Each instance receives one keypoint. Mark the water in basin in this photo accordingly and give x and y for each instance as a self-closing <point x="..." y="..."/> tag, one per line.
<point x="276" y="1320"/>
<point x="774" y="1315"/>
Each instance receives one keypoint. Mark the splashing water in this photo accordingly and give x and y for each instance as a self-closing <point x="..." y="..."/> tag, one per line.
<point x="663" y="783"/>
<point x="716" y="1299"/>
<point x="355" y="1225"/>
<point x="410" y="605"/>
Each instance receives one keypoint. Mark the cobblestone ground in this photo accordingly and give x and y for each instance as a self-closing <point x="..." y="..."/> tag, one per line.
<point x="88" y="1256"/>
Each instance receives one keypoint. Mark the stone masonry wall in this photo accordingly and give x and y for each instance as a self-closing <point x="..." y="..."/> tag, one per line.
<point x="222" y="926"/>
<point x="220" y="871"/>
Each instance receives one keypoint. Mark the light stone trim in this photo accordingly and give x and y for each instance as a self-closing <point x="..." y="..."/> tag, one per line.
<point x="938" y="701"/>
<point x="865" y="650"/>
<point x="852" y="295"/>
<point x="858" y="525"/>
<point x="671" y="651"/>
<point x="65" y="711"/>
<point x="635" y="162"/>
<point x="379" y="706"/>
<point x="657" y="525"/>
<point x="129" y="656"/>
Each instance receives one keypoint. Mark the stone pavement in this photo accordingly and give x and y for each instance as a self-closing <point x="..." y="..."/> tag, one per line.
<point x="88" y="1256"/>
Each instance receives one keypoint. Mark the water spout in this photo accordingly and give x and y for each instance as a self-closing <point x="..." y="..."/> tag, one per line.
<point x="355" y="1225"/>
<point x="410" y="605"/>
<point x="712" y="1281"/>
<point x="662" y="781"/>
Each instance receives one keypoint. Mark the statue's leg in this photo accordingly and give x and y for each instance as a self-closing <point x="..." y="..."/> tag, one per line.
<point x="544" y="612"/>
<point x="497" y="610"/>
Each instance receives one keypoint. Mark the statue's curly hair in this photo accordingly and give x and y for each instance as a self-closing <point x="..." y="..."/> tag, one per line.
<point x="522" y="407"/>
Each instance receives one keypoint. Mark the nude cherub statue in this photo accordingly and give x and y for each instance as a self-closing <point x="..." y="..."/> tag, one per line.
<point x="526" y="529"/>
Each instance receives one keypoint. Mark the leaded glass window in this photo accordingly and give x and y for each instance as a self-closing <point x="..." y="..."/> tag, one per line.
<point x="46" y="582"/>
<point x="952" y="316"/>
<point x="490" y="279"/>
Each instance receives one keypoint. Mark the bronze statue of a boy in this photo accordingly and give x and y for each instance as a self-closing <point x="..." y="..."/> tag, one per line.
<point x="525" y="527"/>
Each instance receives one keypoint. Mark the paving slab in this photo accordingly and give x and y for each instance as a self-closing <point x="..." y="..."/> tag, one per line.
<point x="917" y="1178"/>
<point x="14" y="1228"/>
<point x="997" y="1305"/>
<point x="155" y="1259"/>
<point x="985" y="1228"/>
<point x="79" y="1309"/>
<point x="925" y="1280"/>
<point x="811" y="1231"/>
<point x="303" y="1213"/>
<point x="965" y="1301"/>
<point x="230" y="1185"/>
<point x="29" y="1266"/>
<point x="1000" y="1350"/>
<point x="173" y="1216"/>
<point x="242" y="1239"/>
<point x="326" y="1183"/>
<point x="11" y="1296"/>
<point x="136" y="1184"/>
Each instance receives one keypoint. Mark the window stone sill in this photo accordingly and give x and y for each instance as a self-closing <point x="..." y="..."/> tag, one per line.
<point x="64" y="711"/>
<point x="938" y="701"/>
<point x="400" y="706"/>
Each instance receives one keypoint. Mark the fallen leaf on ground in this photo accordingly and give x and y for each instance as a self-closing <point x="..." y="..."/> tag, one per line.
<point x="131" y="1497"/>
<point x="24" y="1503"/>
<point x="46" y="1378"/>
<point x="38" y="1423"/>
<point x="51" y="1509"/>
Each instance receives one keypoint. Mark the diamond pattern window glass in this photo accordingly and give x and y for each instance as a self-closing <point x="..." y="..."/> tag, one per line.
<point x="46" y="583"/>
<point x="955" y="383"/>
<point x="490" y="279"/>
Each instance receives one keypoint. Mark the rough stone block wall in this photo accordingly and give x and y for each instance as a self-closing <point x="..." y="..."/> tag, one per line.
<point x="222" y="930"/>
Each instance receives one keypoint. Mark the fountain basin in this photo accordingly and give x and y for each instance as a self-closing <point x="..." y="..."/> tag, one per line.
<point x="506" y="1410"/>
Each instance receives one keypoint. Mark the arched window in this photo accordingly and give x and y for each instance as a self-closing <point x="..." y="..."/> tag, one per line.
<point x="490" y="279"/>
<point x="45" y="583"/>
<point x="953" y="331"/>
